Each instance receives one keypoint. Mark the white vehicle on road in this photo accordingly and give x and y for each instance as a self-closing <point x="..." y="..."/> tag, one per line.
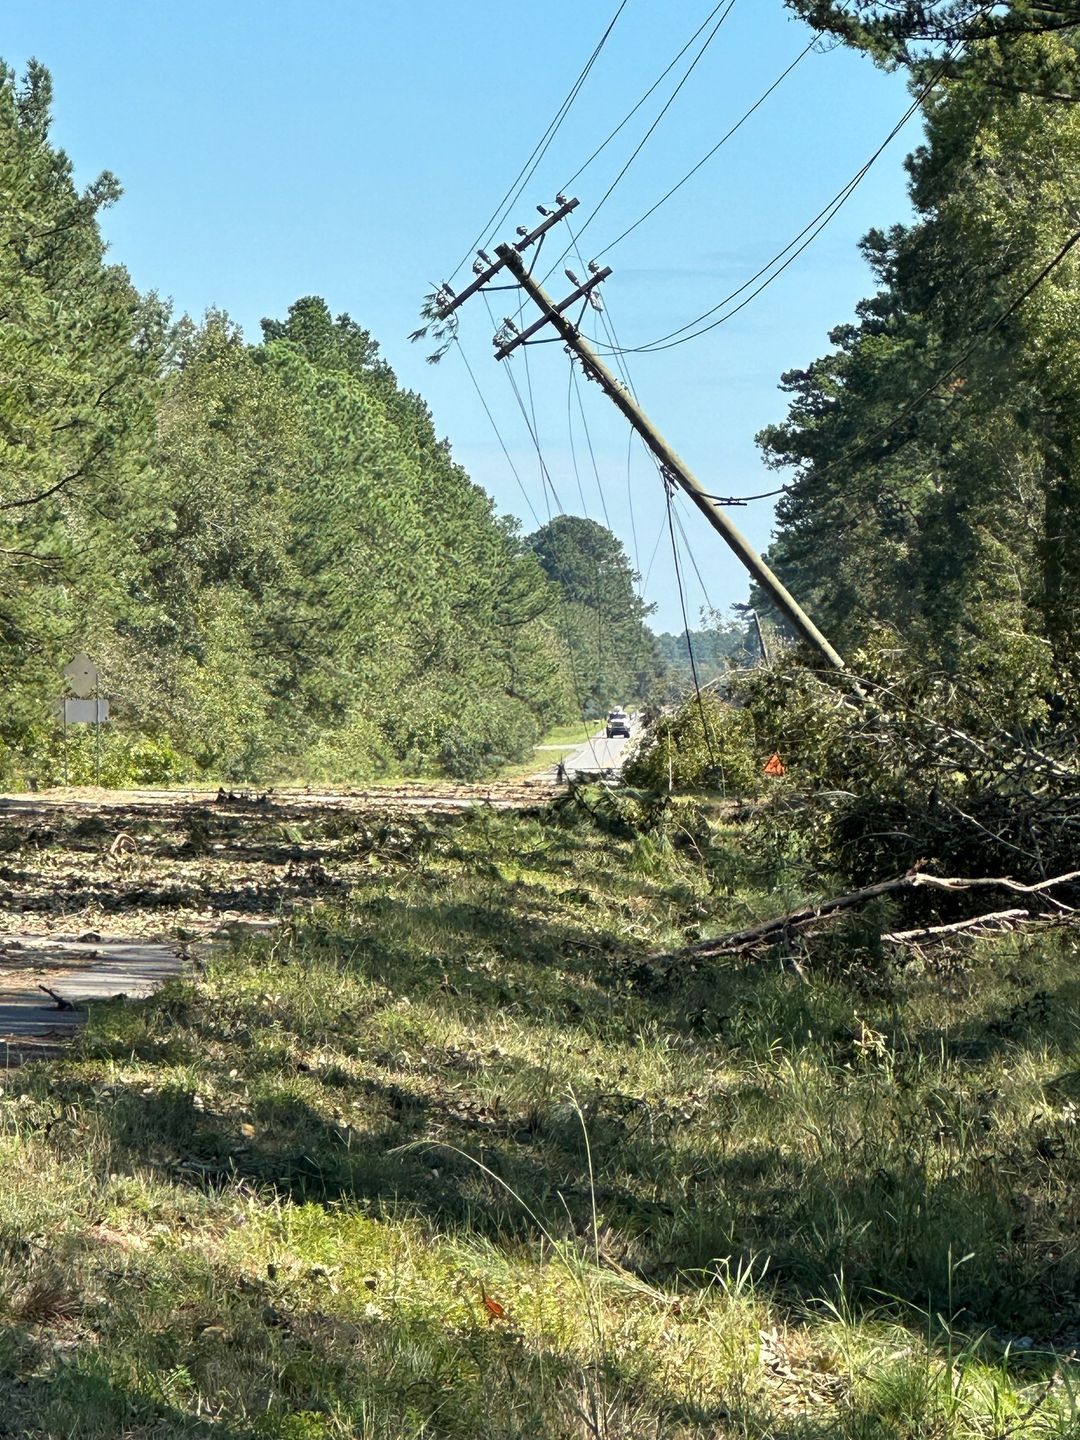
<point x="618" y="723"/>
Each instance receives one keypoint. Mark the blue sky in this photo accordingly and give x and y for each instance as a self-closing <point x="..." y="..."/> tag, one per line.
<point x="353" y="150"/>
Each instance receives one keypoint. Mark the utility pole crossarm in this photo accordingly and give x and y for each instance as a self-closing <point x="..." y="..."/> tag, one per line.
<point x="565" y="207"/>
<point x="670" y="462"/>
<point x="578" y="294"/>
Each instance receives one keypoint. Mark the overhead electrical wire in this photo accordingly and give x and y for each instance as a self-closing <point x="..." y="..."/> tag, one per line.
<point x="693" y="561"/>
<point x="637" y="106"/>
<point x="710" y="153"/>
<point x="592" y="452"/>
<point x="624" y="371"/>
<point x="525" y="174"/>
<point x="649" y="132"/>
<point x="548" y="486"/>
<point x="573" y="447"/>
<point x="795" y="247"/>
<point x="498" y="435"/>
<point x="705" y="727"/>
<point x="983" y="334"/>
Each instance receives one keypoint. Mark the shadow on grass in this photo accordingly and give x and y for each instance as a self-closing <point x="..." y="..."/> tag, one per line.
<point x="227" y="1353"/>
<point x="909" y="1185"/>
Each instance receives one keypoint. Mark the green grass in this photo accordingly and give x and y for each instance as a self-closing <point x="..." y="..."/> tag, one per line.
<point x="567" y="737"/>
<point x="460" y="1159"/>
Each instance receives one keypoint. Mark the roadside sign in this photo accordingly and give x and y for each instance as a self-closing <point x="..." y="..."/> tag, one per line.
<point x="82" y="676"/>
<point x="86" y="712"/>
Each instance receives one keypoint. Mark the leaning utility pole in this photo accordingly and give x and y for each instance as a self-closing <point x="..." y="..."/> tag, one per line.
<point x="673" y="469"/>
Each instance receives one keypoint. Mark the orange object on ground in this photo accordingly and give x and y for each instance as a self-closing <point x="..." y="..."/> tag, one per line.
<point x="774" y="765"/>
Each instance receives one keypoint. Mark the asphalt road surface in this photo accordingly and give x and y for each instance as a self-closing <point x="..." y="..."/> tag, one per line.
<point x="598" y="755"/>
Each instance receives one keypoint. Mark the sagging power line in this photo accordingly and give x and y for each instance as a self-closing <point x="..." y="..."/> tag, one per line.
<point x="510" y="337"/>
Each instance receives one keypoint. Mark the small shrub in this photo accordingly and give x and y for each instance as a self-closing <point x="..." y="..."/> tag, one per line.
<point x="705" y="745"/>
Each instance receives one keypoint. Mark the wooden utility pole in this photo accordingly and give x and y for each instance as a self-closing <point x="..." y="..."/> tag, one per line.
<point x="670" y="462"/>
<point x="673" y="469"/>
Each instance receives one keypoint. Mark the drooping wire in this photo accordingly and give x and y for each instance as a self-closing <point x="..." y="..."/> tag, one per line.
<point x="705" y="727"/>
<point x="746" y="499"/>
<point x="649" y="132"/>
<point x="525" y="174"/>
<point x="710" y="153"/>
<point x="656" y="546"/>
<point x="574" y="677"/>
<point x="592" y="452"/>
<point x="633" y="111"/>
<point x="573" y="447"/>
<point x="693" y="560"/>
<point x="498" y="435"/>
<point x="981" y="335"/>
<point x="795" y="247"/>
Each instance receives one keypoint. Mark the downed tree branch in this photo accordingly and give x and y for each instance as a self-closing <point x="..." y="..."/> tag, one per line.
<point x="61" y="1003"/>
<point x="995" y="920"/>
<point x="913" y="880"/>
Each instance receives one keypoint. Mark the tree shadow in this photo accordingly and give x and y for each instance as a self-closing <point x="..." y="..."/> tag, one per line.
<point x="419" y="1128"/>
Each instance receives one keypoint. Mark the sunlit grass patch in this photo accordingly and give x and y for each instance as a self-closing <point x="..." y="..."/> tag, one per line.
<point x="458" y="1157"/>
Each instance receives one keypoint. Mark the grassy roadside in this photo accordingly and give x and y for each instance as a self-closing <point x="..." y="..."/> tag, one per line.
<point x="552" y="747"/>
<point x="456" y="1158"/>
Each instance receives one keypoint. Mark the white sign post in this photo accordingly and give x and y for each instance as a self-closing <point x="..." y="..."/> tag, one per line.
<point x="86" y="708"/>
<point x="82" y="677"/>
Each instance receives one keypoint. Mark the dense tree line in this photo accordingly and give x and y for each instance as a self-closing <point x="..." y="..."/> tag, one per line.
<point x="277" y="565"/>
<point x="934" y="504"/>
<point x="611" y="656"/>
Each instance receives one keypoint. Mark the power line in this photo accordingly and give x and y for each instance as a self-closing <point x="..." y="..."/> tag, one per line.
<point x="648" y="133"/>
<point x="525" y="174"/>
<point x="693" y="561"/>
<point x="746" y="499"/>
<point x="633" y="111"/>
<point x="592" y="452"/>
<point x="686" y="627"/>
<point x="793" y="249"/>
<point x="709" y="154"/>
<point x="624" y="370"/>
<point x="498" y="436"/>
<point x="981" y="335"/>
<point x="573" y="447"/>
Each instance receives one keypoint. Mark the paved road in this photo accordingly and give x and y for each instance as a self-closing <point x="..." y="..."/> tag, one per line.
<point x="598" y="755"/>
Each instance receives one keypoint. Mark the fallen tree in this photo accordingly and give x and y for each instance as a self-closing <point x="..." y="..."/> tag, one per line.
<point x="807" y="916"/>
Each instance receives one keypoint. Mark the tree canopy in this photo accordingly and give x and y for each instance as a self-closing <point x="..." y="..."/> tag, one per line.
<point x="611" y="655"/>
<point x="933" y="451"/>
<point x="277" y="564"/>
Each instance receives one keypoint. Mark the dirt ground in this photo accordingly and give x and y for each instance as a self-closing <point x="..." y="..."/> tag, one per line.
<point x="106" y="893"/>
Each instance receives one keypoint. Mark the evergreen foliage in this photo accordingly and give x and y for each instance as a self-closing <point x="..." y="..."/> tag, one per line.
<point x="277" y="565"/>
<point x="716" y="648"/>
<point x="934" y="449"/>
<point x="610" y="653"/>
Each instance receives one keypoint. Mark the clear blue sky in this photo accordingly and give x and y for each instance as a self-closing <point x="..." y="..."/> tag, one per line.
<point x="353" y="150"/>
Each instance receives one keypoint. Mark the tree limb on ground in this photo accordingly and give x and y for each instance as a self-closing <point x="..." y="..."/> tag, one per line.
<point x="994" y="920"/>
<point x="915" y="880"/>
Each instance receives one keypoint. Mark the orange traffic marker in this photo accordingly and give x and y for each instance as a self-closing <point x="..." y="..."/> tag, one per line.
<point x="774" y="765"/>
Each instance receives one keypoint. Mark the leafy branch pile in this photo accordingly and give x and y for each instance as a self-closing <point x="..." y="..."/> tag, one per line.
<point x="917" y="769"/>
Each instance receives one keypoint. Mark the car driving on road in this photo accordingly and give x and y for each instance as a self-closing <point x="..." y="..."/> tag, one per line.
<point x="618" y="723"/>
